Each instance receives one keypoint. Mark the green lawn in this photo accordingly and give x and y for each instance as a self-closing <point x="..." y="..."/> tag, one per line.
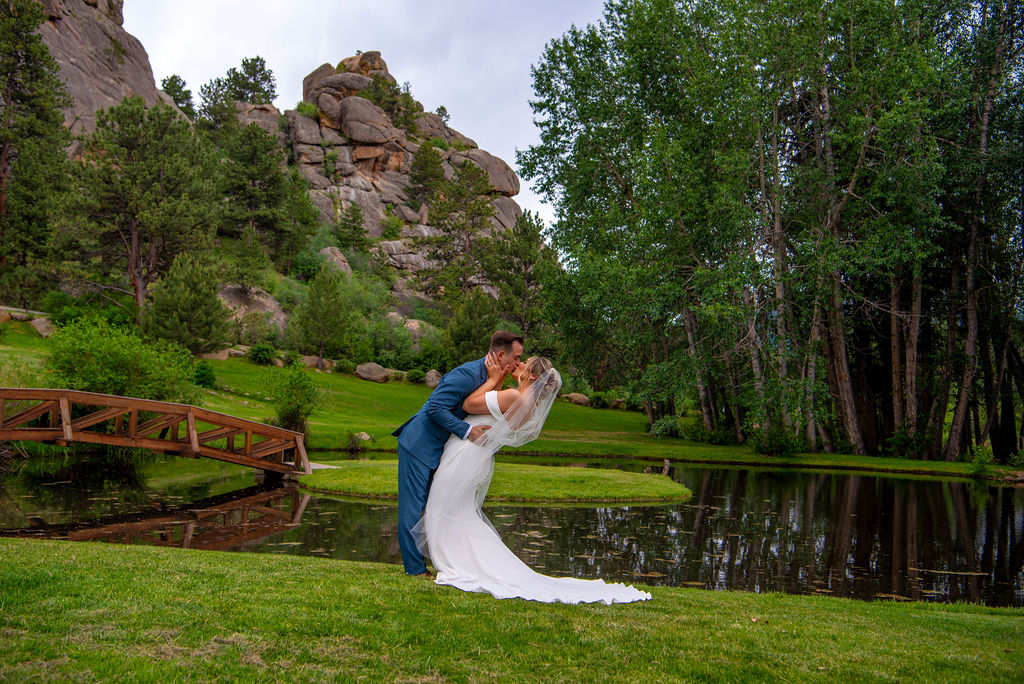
<point x="351" y="405"/>
<point x="512" y="482"/>
<point x="93" y="611"/>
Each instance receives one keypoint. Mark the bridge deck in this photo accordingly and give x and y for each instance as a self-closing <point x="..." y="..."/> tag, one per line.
<point x="61" y="416"/>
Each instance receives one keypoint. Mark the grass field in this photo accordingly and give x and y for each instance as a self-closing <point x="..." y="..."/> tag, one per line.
<point x="511" y="482"/>
<point x="351" y="405"/>
<point x="93" y="611"/>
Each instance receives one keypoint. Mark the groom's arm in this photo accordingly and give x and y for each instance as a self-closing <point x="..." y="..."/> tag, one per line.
<point x="452" y="390"/>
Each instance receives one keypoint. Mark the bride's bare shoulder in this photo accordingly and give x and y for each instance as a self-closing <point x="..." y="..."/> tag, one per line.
<point x="507" y="397"/>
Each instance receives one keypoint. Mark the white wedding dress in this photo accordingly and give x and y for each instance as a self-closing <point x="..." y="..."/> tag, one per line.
<point x="466" y="550"/>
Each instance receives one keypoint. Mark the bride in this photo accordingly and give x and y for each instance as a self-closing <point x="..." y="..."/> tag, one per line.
<point x="465" y="549"/>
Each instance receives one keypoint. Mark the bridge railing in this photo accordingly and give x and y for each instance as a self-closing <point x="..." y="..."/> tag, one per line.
<point x="62" y="416"/>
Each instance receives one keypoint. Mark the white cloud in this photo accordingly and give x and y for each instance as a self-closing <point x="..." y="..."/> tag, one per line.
<point x="473" y="57"/>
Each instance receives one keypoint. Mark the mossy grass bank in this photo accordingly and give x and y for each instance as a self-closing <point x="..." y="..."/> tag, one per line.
<point x="511" y="482"/>
<point x="351" y="406"/>
<point x="91" y="611"/>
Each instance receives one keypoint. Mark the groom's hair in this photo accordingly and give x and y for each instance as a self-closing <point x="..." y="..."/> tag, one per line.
<point x="502" y="340"/>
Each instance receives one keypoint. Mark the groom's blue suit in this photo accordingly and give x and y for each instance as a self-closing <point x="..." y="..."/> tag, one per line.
<point x="421" y="442"/>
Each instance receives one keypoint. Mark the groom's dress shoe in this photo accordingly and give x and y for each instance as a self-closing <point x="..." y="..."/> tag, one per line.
<point x="426" y="574"/>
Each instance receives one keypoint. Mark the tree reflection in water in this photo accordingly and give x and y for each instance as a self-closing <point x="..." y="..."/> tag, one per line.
<point x="806" y="533"/>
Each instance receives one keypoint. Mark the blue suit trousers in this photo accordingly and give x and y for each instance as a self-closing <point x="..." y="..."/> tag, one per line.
<point x="414" y="478"/>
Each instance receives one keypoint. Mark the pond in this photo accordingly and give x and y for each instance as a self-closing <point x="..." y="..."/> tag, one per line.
<point x="860" y="536"/>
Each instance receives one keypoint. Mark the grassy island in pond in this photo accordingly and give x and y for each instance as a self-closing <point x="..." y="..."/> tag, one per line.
<point x="512" y="482"/>
<point x="90" y="611"/>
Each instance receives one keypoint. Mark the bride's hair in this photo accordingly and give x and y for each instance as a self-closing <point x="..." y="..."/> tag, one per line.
<point x="536" y="366"/>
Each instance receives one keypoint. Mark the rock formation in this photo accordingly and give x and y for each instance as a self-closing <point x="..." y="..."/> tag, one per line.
<point x="99" y="61"/>
<point x="371" y="157"/>
<point x="350" y="151"/>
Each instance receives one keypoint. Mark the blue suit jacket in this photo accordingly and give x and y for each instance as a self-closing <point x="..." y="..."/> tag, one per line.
<point x="424" y="435"/>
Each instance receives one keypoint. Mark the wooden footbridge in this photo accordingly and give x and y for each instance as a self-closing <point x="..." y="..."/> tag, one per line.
<point x="64" y="417"/>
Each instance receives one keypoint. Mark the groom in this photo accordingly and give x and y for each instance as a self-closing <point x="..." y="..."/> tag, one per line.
<point x="422" y="438"/>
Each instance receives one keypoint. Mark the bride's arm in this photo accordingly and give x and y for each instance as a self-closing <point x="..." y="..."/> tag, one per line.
<point x="475" y="402"/>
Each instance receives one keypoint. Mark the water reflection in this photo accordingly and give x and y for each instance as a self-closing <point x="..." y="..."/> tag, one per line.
<point x="795" y="532"/>
<point x="227" y="521"/>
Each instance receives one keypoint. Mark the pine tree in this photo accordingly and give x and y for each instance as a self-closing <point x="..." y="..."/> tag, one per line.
<point x="184" y="308"/>
<point x="425" y="175"/>
<point x="144" y="192"/>
<point x="32" y="132"/>
<point x="174" y="86"/>
<point x="323" y="318"/>
<point x="469" y="330"/>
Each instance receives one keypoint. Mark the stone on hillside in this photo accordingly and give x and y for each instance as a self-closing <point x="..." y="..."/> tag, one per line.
<point x="221" y="355"/>
<point x="433" y="377"/>
<point x="313" y="361"/>
<point x="345" y="83"/>
<point x="372" y="372"/>
<point x="314" y="175"/>
<point x="430" y="125"/>
<point x="304" y="131"/>
<point x="331" y="137"/>
<point x="314" y="77"/>
<point x="21" y="316"/>
<point x="266" y="116"/>
<point x="4" y="316"/>
<point x="365" y="122"/>
<point x="405" y="213"/>
<point x="577" y="398"/>
<point x="506" y="211"/>
<point x="364" y="63"/>
<point x="256" y="300"/>
<point x="309" y="154"/>
<point x="390" y="191"/>
<point x="500" y="175"/>
<point x="336" y="258"/>
<point x="43" y="326"/>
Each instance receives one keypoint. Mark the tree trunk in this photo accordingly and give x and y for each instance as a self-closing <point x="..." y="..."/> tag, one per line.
<point x="690" y="322"/>
<point x="898" y="417"/>
<point x="844" y="384"/>
<point x="755" y="356"/>
<point x="910" y="354"/>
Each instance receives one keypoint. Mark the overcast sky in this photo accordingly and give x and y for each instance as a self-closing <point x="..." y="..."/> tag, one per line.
<point x="472" y="56"/>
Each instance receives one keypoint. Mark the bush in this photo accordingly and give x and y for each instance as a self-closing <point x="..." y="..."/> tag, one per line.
<point x="391" y="227"/>
<point x="262" y="353"/>
<point x="605" y="400"/>
<point x="416" y="375"/>
<point x="776" y="442"/>
<point x="93" y="356"/>
<point x="666" y="426"/>
<point x="981" y="459"/>
<point x="294" y="396"/>
<point x="308" y="109"/>
<point x="344" y="366"/>
<point x="306" y="265"/>
<point x="204" y="376"/>
<point x="696" y="432"/>
<point x="254" y="327"/>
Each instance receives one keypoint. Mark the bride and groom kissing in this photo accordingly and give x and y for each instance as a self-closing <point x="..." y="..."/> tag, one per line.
<point x="445" y="463"/>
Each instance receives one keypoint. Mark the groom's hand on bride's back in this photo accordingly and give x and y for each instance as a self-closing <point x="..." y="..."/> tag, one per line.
<point x="477" y="432"/>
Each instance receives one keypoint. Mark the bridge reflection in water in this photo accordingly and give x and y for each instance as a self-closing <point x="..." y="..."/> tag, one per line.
<point x="217" y="523"/>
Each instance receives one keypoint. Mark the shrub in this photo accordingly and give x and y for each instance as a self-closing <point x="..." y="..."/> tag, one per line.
<point x="262" y="353"/>
<point x="416" y="375"/>
<point x="776" y="442"/>
<point x="254" y="327"/>
<point x="391" y="227"/>
<point x="439" y="143"/>
<point x="204" y="375"/>
<point x="293" y="394"/>
<point x="344" y="366"/>
<point x="306" y="264"/>
<point x="666" y="426"/>
<point x="981" y="459"/>
<point x="308" y="109"/>
<point x="92" y="355"/>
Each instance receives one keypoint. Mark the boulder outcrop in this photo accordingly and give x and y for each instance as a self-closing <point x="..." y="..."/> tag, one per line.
<point x="99" y="61"/>
<point x="351" y="152"/>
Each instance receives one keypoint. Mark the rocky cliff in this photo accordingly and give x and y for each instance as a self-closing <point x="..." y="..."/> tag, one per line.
<point x="100" y="62"/>
<point x="371" y="156"/>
